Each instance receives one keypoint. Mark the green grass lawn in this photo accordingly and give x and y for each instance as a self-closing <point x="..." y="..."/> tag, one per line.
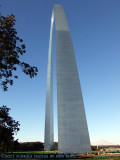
<point x="54" y="152"/>
<point x="35" y="152"/>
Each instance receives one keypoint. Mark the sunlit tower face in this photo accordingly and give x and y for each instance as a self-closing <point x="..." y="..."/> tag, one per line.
<point x="52" y="18"/>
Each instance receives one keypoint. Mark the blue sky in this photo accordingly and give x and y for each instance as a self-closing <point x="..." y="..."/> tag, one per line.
<point x="95" y="31"/>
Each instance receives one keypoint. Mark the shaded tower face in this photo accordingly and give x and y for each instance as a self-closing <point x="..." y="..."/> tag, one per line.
<point x="73" y="134"/>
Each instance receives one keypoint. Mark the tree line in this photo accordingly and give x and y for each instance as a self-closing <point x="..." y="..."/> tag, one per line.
<point x="26" y="146"/>
<point x="15" y="146"/>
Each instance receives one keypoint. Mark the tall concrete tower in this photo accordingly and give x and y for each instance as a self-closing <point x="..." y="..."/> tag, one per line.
<point x="49" y="129"/>
<point x="73" y="133"/>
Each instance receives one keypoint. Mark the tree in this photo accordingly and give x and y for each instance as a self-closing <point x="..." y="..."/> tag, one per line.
<point x="8" y="127"/>
<point x="31" y="146"/>
<point x="11" y="48"/>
